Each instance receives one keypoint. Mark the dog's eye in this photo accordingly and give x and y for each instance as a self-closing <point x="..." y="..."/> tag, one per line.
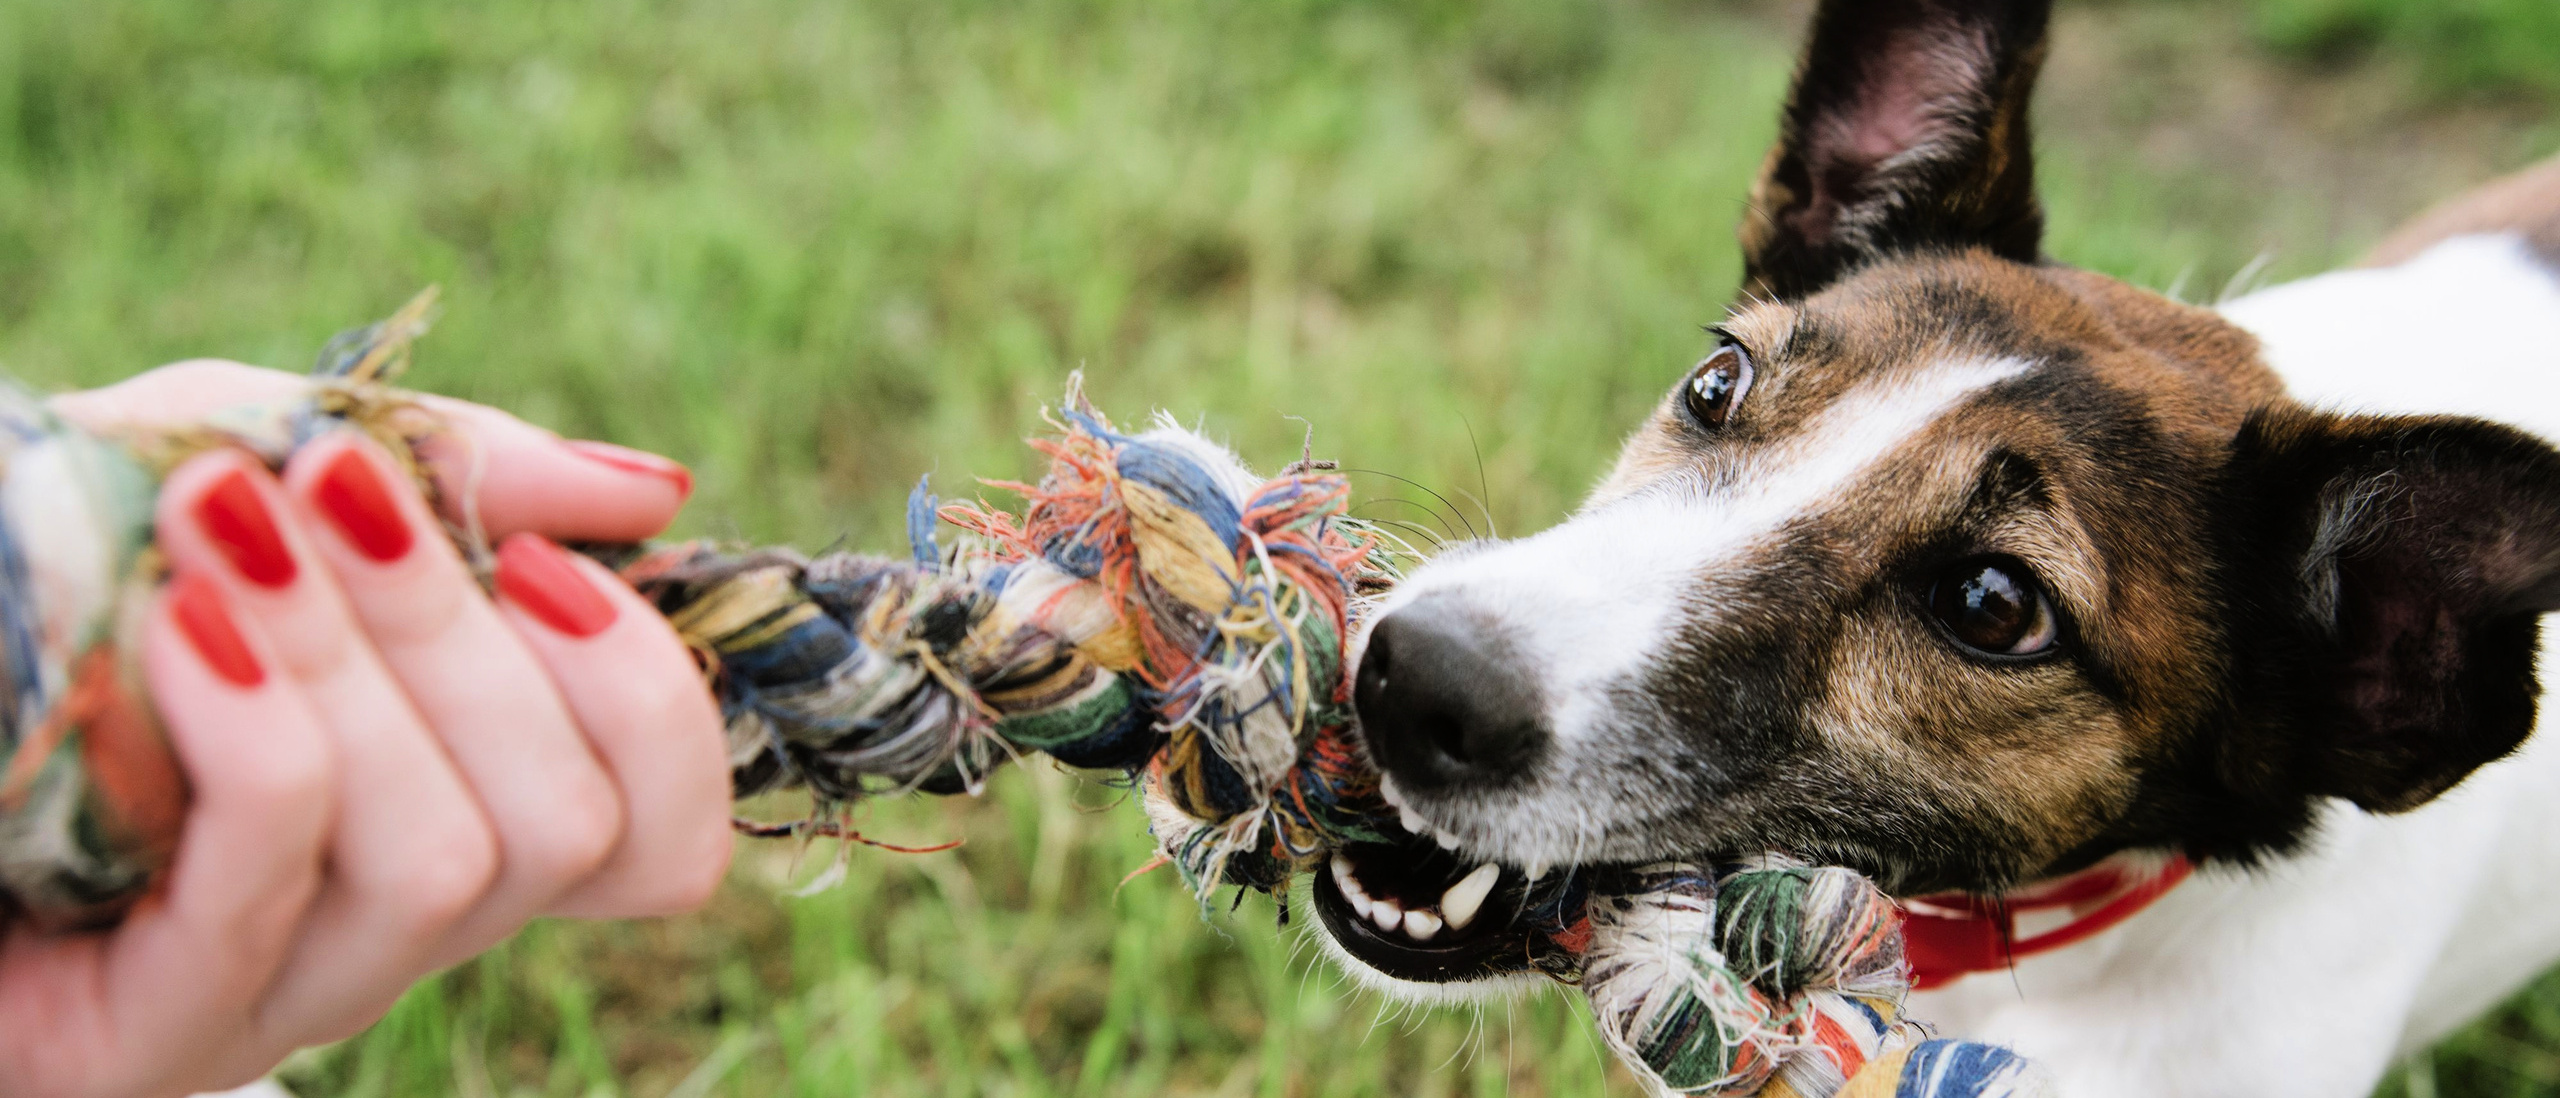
<point x="1994" y="605"/>
<point x="1716" y="385"/>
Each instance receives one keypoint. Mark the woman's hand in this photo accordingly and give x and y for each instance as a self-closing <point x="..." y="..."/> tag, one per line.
<point x="391" y="771"/>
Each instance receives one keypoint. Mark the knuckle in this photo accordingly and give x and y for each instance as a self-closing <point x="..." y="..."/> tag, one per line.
<point x="427" y="609"/>
<point x="313" y="649"/>
<point x="576" y="838"/>
<point x="289" y="774"/>
<point x="679" y="706"/>
<point x="681" y="877"/>
<point x="699" y="880"/>
<point x="449" y="870"/>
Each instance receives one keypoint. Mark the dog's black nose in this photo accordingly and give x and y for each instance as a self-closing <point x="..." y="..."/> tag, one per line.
<point x="1443" y="702"/>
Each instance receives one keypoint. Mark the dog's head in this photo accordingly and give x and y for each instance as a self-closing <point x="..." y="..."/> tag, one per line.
<point x="1947" y="563"/>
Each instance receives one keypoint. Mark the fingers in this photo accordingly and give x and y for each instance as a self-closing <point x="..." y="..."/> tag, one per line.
<point x="412" y="852"/>
<point x="155" y="1006"/>
<point x="181" y="392"/>
<point x="638" y="694"/>
<point x="515" y="475"/>
<point x="427" y="770"/>
<point x="555" y="813"/>
<point x="252" y="857"/>
<point x="525" y="478"/>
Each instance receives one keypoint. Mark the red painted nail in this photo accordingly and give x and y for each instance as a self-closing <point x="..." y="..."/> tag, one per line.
<point x="538" y="576"/>
<point x="232" y="514"/>
<point x="360" y="505"/>
<point x="197" y="605"/>
<point x="629" y="460"/>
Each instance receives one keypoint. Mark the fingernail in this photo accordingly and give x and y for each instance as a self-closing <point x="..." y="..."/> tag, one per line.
<point x="538" y="576"/>
<point x="629" y="460"/>
<point x="235" y="517"/>
<point x="197" y="605"/>
<point x="361" y="507"/>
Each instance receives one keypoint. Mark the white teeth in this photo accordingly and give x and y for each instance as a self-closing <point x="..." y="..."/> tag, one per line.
<point x="1459" y="904"/>
<point x="1421" y="925"/>
<point x="1350" y="885"/>
<point x="1442" y="838"/>
<point x="1466" y="897"/>
<point x="1413" y="820"/>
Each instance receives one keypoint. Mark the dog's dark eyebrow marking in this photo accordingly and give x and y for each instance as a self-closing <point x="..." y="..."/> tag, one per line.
<point x="2102" y="422"/>
<point x="1810" y="339"/>
<point x="1952" y="308"/>
<point x="2006" y="475"/>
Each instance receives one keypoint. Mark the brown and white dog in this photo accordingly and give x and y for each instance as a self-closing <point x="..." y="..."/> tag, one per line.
<point x="1971" y="570"/>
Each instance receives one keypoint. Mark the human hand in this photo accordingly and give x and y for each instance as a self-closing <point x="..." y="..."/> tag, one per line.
<point x="391" y="771"/>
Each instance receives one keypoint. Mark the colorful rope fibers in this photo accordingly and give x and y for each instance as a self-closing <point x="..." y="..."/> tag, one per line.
<point x="1153" y="609"/>
<point x="1771" y="978"/>
<point x="90" y="801"/>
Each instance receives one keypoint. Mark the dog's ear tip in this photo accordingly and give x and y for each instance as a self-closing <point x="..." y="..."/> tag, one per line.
<point x="1906" y="129"/>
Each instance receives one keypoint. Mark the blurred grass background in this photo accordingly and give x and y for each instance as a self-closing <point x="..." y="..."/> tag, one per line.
<point x="816" y="248"/>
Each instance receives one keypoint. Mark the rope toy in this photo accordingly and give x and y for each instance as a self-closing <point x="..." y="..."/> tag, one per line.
<point x="1153" y="608"/>
<point x="1774" y="978"/>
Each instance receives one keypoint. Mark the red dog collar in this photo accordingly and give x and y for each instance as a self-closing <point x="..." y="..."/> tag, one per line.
<point x="1954" y="934"/>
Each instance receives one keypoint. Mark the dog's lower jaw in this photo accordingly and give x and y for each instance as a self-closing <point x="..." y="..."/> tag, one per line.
<point x="1494" y="988"/>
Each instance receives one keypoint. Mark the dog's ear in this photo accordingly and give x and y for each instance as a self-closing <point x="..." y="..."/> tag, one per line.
<point x="2387" y="578"/>
<point x="1907" y="130"/>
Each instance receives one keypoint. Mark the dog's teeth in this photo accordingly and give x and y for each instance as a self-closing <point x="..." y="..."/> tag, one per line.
<point x="1466" y="897"/>
<point x="1387" y="915"/>
<point x="1351" y="890"/>
<point x="1421" y="926"/>
<point x="1413" y="820"/>
<point x="1445" y="840"/>
<point x="1387" y="790"/>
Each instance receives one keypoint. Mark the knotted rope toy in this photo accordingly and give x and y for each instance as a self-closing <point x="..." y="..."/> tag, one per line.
<point x="1153" y="609"/>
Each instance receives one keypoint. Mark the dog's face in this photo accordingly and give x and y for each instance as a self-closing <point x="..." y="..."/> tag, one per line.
<point x="1945" y="563"/>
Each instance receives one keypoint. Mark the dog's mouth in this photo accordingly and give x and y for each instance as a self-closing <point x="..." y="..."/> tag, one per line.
<point x="1418" y="913"/>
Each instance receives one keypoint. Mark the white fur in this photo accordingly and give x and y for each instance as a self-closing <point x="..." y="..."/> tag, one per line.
<point x="2310" y="977"/>
<point x="2470" y="327"/>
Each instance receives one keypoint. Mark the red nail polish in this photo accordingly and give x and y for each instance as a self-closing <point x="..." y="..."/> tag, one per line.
<point x="361" y="507"/>
<point x="629" y="460"/>
<point x="232" y="514"/>
<point x="197" y="605"/>
<point x="538" y="576"/>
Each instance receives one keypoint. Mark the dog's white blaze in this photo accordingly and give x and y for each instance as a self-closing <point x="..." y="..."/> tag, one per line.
<point x="1593" y="599"/>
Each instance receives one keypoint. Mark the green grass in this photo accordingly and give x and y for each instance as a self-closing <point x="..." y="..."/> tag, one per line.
<point x="2459" y="48"/>
<point x="816" y="248"/>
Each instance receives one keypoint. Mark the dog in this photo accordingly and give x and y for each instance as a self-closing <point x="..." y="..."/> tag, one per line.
<point x="2023" y="590"/>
